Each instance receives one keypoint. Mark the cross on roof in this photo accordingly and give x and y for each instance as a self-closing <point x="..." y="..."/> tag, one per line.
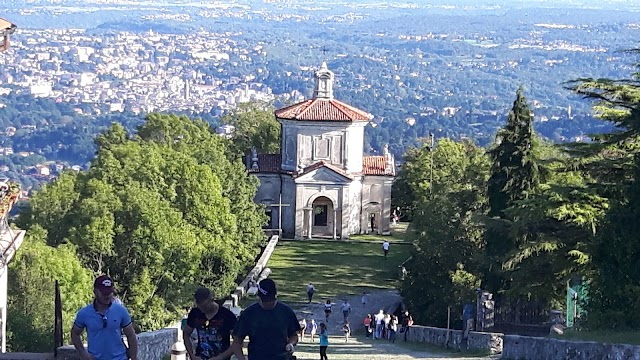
<point x="324" y="51"/>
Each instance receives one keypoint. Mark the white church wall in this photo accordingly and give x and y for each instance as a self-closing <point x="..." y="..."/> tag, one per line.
<point x="352" y="217"/>
<point x="306" y="143"/>
<point x="376" y="199"/>
<point x="354" y="147"/>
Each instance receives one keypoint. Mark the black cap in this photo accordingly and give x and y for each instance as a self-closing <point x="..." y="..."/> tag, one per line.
<point x="267" y="290"/>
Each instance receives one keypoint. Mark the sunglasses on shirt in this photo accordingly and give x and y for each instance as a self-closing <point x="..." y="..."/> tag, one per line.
<point x="104" y="321"/>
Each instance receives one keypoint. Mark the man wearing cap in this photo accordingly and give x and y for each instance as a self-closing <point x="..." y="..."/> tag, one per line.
<point x="213" y="324"/>
<point x="104" y="320"/>
<point x="272" y="327"/>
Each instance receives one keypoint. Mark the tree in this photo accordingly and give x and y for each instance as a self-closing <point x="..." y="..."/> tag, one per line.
<point x="552" y="230"/>
<point x="31" y="291"/>
<point x="255" y="126"/>
<point x="514" y="172"/>
<point x="514" y="176"/>
<point x="162" y="214"/>
<point x="444" y="268"/>
<point x="614" y="159"/>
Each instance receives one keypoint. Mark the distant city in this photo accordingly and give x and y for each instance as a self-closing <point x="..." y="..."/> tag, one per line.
<point x="444" y="67"/>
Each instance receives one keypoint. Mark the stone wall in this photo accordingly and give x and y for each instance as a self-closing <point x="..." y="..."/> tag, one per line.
<point x="541" y="348"/>
<point x="481" y="341"/>
<point x="151" y="345"/>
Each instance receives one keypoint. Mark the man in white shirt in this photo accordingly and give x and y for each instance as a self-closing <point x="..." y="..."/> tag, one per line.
<point x="310" y="291"/>
<point x="385" y="248"/>
<point x="379" y="319"/>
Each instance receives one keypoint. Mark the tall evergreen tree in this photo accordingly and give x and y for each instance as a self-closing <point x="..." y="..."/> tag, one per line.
<point x="514" y="176"/>
<point x="514" y="172"/>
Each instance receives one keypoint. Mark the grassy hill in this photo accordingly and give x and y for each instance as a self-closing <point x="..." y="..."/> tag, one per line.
<point x="336" y="267"/>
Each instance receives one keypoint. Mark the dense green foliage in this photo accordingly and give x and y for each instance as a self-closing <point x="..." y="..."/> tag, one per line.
<point x="443" y="270"/>
<point x="615" y="159"/>
<point x="255" y="127"/>
<point x="550" y="213"/>
<point x="162" y="213"/>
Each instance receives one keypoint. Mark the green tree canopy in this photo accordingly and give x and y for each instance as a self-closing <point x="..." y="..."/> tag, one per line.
<point x="162" y="214"/>
<point x="444" y="268"/>
<point x="31" y="291"/>
<point x="613" y="159"/>
<point x="255" y="126"/>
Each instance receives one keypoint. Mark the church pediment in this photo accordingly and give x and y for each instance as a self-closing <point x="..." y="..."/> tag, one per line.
<point x="323" y="175"/>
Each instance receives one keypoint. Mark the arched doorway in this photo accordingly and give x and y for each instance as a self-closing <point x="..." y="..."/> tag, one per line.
<point x="322" y="216"/>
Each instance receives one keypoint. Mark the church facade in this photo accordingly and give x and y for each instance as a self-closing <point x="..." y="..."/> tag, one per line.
<point x="321" y="184"/>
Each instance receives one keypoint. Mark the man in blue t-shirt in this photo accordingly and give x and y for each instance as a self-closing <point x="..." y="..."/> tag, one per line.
<point x="104" y="320"/>
<point x="272" y="327"/>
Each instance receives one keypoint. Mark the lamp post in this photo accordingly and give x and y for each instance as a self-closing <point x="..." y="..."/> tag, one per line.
<point x="431" y="149"/>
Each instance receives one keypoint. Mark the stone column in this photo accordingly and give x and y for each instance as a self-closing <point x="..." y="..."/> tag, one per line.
<point x="335" y="223"/>
<point x="309" y="223"/>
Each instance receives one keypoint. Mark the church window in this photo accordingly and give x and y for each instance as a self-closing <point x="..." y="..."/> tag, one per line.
<point x="321" y="148"/>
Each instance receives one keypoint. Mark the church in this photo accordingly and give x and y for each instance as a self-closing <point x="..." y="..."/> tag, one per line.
<point x="321" y="184"/>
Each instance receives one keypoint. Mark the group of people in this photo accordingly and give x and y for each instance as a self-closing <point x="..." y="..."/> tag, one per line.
<point x="385" y="326"/>
<point x="271" y="326"/>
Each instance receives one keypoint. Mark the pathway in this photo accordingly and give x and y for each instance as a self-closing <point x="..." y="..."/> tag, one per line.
<point x="359" y="347"/>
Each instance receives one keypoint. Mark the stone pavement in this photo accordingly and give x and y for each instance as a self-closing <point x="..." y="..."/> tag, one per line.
<point x="359" y="347"/>
<point x="363" y="349"/>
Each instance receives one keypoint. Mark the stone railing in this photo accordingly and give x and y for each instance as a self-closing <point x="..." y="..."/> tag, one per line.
<point x="481" y="341"/>
<point x="153" y="345"/>
<point x="241" y="289"/>
<point x="542" y="348"/>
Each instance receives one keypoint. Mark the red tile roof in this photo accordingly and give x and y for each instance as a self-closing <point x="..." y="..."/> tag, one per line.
<point x="5" y="25"/>
<point x="323" y="110"/>
<point x="375" y="165"/>
<point x="267" y="163"/>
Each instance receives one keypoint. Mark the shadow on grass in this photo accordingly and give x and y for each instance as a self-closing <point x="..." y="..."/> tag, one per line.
<point x="334" y="268"/>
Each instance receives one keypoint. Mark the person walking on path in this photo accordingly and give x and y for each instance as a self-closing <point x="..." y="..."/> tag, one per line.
<point x="314" y="329"/>
<point x="324" y="341"/>
<point x="385" y="248"/>
<point x="310" y="291"/>
<point x="303" y="328"/>
<point x="407" y="321"/>
<point x="367" y="325"/>
<point x="347" y="331"/>
<point x="378" y="318"/>
<point x="346" y="310"/>
<point x="104" y="321"/>
<point x="213" y="325"/>
<point x="364" y="299"/>
<point x="393" y="328"/>
<point x="327" y="310"/>
<point x="272" y="327"/>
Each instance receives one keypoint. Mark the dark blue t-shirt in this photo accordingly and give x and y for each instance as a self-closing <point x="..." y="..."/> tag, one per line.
<point x="268" y="331"/>
<point x="214" y="335"/>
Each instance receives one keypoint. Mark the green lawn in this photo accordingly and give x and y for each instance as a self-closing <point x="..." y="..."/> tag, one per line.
<point x="611" y="337"/>
<point x="334" y="268"/>
<point x="400" y="233"/>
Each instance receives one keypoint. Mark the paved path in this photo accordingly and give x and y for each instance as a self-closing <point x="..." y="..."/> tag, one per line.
<point x="359" y="347"/>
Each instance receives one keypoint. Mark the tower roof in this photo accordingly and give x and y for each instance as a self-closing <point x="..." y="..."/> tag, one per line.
<point x="323" y="107"/>
<point x="323" y="110"/>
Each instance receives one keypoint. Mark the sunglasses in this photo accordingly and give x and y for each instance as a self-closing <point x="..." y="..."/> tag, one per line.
<point x="104" y="321"/>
